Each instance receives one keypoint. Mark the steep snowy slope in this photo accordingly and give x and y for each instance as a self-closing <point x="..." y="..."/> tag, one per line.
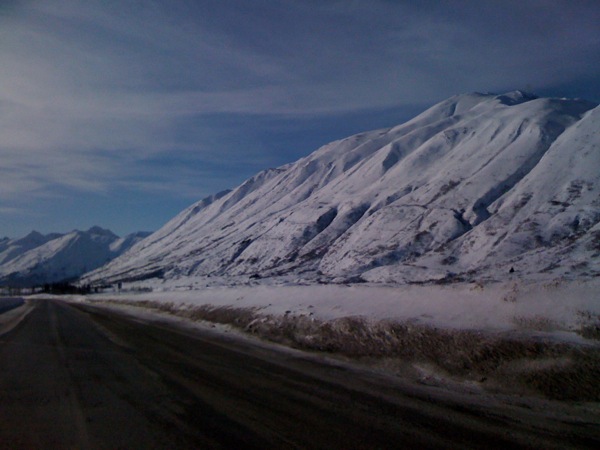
<point x="473" y="186"/>
<point x="38" y="259"/>
<point x="123" y="244"/>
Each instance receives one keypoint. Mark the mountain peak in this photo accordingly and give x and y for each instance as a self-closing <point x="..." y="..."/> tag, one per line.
<point x="96" y="230"/>
<point x="34" y="235"/>
<point x="516" y="97"/>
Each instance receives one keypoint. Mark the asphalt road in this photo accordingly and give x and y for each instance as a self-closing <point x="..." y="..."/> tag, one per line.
<point x="74" y="376"/>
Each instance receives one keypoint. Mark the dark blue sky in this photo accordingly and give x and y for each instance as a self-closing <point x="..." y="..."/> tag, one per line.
<point x="121" y="113"/>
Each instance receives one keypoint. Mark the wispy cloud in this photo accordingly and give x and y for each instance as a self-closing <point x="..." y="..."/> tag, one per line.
<point x="93" y="90"/>
<point x="11" y="210"/>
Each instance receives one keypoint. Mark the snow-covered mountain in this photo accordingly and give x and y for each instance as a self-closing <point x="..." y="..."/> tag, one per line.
<point x="12" y="248"/>
<point x="480" y="186"/>
<point x="37" y="259"/>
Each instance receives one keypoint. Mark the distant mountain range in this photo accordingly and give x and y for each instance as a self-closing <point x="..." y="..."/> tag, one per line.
<point x="478" y="187"/>
<point x="37" y="259"/>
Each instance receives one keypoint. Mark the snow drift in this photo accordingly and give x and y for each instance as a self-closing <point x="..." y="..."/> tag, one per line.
<point x="478" y="187"/>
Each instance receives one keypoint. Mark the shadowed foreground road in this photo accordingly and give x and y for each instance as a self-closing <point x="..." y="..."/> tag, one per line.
<point x="81" y="377"/>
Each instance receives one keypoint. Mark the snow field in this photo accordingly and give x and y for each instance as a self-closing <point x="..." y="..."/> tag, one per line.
<point x="498" y="306"/>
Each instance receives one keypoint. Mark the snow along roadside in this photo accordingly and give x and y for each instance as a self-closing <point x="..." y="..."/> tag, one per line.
<point x="10" y="319"/>
<point x="562" y="309"/>
<point x="529" y="339"/>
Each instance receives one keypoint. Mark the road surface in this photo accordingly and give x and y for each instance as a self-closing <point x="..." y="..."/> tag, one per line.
<point x="74" y="376"/>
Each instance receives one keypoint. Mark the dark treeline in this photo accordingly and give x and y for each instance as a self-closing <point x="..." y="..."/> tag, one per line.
<point x="66" y="288"/>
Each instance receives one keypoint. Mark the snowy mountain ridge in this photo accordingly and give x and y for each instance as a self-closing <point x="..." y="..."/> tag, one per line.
<point x="11" y="248"/>
<point x="474" y="186"/>
<point x="36" y="259"/>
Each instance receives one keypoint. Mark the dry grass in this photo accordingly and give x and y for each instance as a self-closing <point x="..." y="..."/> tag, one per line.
<point x="538" y="323"/>
<point x="589" y="325"/>
<point x="555" y="370"/>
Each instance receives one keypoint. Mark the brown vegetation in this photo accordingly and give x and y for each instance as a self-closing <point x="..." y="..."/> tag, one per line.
<point x="555" y="370"/>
